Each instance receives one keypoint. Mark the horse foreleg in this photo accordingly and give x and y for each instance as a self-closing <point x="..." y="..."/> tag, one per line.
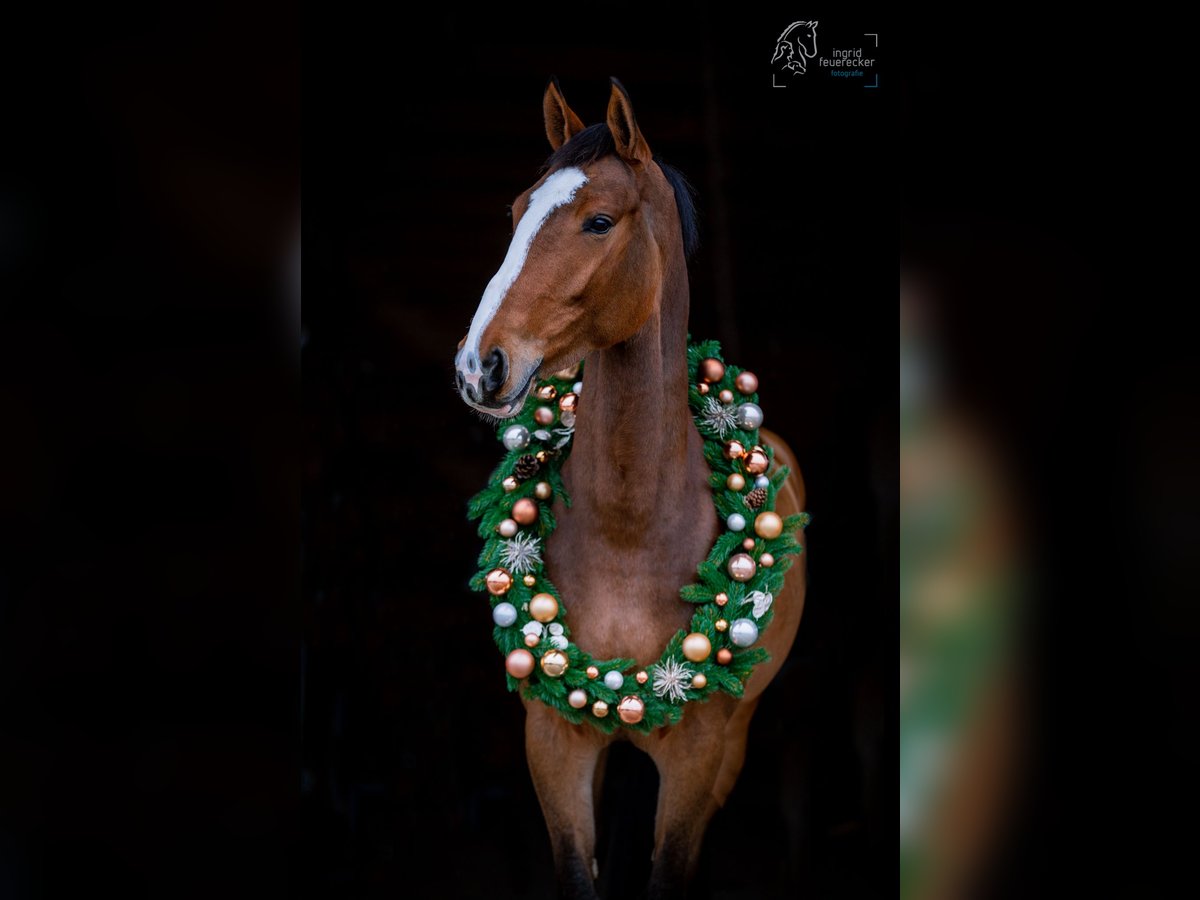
<point x="562" y="761"/>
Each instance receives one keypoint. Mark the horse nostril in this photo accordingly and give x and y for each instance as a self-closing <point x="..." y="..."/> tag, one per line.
<point x="495" y="371"/>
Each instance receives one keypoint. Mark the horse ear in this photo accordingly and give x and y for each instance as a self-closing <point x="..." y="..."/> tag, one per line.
<point x="561" y="122"/>
<point x="631" y="146"/>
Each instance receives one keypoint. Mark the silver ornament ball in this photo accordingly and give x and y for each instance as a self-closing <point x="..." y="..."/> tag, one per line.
<point x="577" y="387"/>
<point x="762" y="481"/>
<point x="743" y="632"/>
<point x="748" y="416"/>
<point x="516" y="437"/>
<point x="504" y="614"/>
<point x="613" y="680"/>
<point x="736" y="522"/>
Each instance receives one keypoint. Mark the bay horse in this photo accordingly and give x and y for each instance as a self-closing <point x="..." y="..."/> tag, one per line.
<point x="597" y="271"/>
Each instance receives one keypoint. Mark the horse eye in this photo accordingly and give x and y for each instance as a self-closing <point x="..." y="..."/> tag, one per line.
<point x="598" y="225"/>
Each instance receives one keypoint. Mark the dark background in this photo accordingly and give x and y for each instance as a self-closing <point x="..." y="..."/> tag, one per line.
<point x="413" y="752"/>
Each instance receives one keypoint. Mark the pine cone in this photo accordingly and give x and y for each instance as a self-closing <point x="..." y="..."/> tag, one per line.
<point x="527" y="466"/>
<point x="756" y="498"/>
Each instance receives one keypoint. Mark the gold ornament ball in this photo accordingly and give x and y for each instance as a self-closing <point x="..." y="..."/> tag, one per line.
<point x="510" y="483"/>
<point x="726" y="396"/>
<point x="529" y="580"/>
<point x="507" y="527"/>
<point x="577" y="698"/>
<point x="543" y="415"/>
<point x="735" y="481"/>
<point x="569" y="402"/>
<point x="554" y="663"/>
<point x="741" y="567"/>
<point x="631" y="709"/>
<point x="498" y="582"/>
<point x="748" y="544"/>
<point x="525" y="511"/>
<point x="766" y="560"/>
<point x="699" y="681"/>
<point x="542" y="456"/>
<point x="734" y="450"/>
<point x="721" y="624"/>
<point x="592" y="672"/>
<point x="599" y="709"/>
<point x="542" y="490"/>
<point x="697" y="647"/>
<point x="712" y="370"/>
<point x="768" y="525"/>
<point x="724" y="656"/>
<point x="756" y="462"/>
<point x="746" y="382"/>
<point x="642" y="677"/>
<point x="532" y="640"/>
<point x="543" y="608"/>
<point x="722" y="598"/>
<point x="547" y="392"/>
<point x="702" y="388"/>
<point x="519" y="663"/>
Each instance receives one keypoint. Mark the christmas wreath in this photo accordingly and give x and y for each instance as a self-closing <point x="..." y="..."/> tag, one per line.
<point x="736" y="584"/>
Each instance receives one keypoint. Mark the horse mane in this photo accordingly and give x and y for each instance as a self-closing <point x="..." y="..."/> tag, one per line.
<point x="596" y="142"/>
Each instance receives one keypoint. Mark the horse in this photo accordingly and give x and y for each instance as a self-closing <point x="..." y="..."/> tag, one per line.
<point x="596" y="271"/>
<point x="797" y="54"/>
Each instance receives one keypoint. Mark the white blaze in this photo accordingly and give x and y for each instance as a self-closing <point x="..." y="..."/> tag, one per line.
<point x="557" y="190"/>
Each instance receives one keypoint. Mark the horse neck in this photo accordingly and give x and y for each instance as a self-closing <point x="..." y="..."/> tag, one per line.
<point x="632" y="442"/>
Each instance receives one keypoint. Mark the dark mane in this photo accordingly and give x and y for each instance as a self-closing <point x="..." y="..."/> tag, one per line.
<point x="596" y="142"/>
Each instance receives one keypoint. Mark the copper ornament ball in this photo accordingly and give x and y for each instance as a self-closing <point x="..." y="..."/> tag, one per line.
<point x="699" y="681"/>
<point x="712" y="370"/>
<point x="510" y="483"/>
<point x="702" y="388"/>
<point x="726" y="396"/>
<point x="569" y="402"/>
<point x="525" y="511"/>
<point x="724" y="656"/>
<point x="631" y="709"/>
<point x="768" y="525"/>
<point x="532" y="640"/>
<point x="741" y="567"/>
<point x="547" y="392"/>
<point x="756" y="462"/>
<point x="554" y="663"/>
<point x="599" y="709"/>
<point x="735" y="481"/>
<point x="519" y="663"/>
<point x="721" y="624"/>
<point x="507" y="527"/>
<point x="498" y="582"/>
<point x="542" y="490"/>
<point x="543" y="608"/>
<point x="746" y="382"/>
<point x="530" y="580"/>
<point x="748" y="544"/>
<point x="722" y="598"/>
<point x="766" y="560"/>
<point x="577" y="698"/>
<point x="592" y="672"/>
<point x="642" y="676"/>
<point x="697" y="647"/>
<point x="734" y="450"/>
<point x="543" y="415"/>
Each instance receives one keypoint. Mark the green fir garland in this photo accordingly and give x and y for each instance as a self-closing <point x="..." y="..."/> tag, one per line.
<point x="494" y="504"/>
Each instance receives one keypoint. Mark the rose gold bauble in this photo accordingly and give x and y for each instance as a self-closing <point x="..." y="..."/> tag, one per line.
<point x="768" y="525"/>
<point x="510" y="483"/>
<point x="519" y="663"/>
<point x="592" y="672"/>
<point x="542" y="490"/>
<point x="543" y="415"/>
<point x="712" y="370"/>
<point x="697" y="647"/>
<point x="702" y="388"/>
<point x="507" y="527"/>
<point x="724" y="656"/>
<point x="642" y="677"/>
<point x="569" y="402"/>
<point x="748" y="544"/>
<point x="529" y="580"/>
<point x="543" y="608"/>
<point x="498" y="582"/>
<point x="532" y="640"/>
<point x="734" y="450"/>
<point x="722" y="598"/>
<point x="577" y="698"/>
<point x="766" y="560"/>
<point x="741" y="567"/>
<point x="721" y="624"/>
<point x="746" y="382"/>
<point x="735" y="481"/>
<point x="699" y="681"/>
<point x="546" y="392"/>
<point x="525" y="511"/>
<point x="755" y="462"/>
<point x="554" y="663"/>
<point x="631" y="709"/>
<point x="726" y="396"/>
<point x="599" y="709"/>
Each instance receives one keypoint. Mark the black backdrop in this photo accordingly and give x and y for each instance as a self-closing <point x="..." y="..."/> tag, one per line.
<point x="412" y="750"/>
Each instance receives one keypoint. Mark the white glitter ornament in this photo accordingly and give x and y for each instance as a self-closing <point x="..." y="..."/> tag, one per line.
<point x="613" y="680"/>
<point x="735" y="522"/>
<point x="504" y="614"/>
